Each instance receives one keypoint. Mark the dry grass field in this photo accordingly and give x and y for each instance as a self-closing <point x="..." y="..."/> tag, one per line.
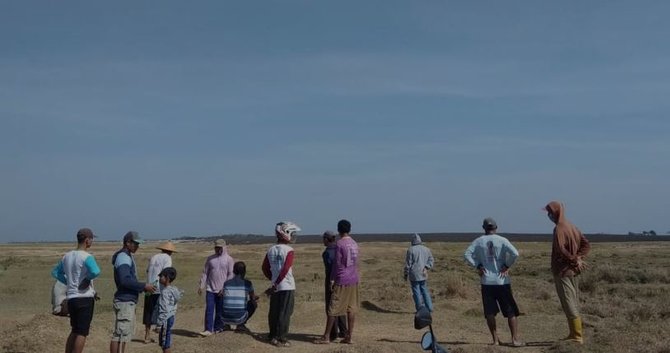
<point x="625" y="301"/>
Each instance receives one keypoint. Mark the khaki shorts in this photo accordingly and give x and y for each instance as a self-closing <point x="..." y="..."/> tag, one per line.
<point x="343" y="300"/>
<point x="124" y="323"/>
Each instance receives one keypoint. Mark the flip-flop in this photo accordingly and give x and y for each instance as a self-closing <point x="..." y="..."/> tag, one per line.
<point x="322" y="341"/>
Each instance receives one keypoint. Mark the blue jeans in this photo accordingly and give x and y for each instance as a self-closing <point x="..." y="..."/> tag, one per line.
<point x="421" y="295"/>
<point x="213" y="312"/>
<point x="165" y="338"/>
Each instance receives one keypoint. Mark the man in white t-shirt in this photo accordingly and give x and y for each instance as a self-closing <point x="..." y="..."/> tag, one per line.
<point x="157" y="263"/>
<point x="77" y="270"/>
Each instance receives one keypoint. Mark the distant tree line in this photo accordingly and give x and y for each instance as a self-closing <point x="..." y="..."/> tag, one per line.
<point x="224" y="236"/>
<point x="645" y="233"/>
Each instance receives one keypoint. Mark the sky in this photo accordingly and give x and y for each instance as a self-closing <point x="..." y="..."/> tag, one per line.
<point x="177" y="118"/>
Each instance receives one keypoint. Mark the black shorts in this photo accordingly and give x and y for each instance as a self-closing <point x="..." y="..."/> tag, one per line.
<point x="499" y="298"/>
<point x="150" y="305"/>
<point x="81" y="314"/>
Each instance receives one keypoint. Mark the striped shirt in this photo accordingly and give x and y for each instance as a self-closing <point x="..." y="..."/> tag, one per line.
<point x="235" y="296"/>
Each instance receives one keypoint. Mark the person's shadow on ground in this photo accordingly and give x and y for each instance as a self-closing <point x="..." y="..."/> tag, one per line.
<point x="540" y="344"/>
<point x="370" y="306"/>
<point x="296" y="337"/>
<point x="185" y="333"/>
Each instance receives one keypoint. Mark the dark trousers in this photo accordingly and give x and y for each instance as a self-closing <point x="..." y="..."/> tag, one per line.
<point x="341" y="322"/>
<point x="251" y="309"/>
<point x="279" y="316"/>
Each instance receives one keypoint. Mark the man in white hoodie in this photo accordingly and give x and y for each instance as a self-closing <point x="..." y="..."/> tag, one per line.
<point x="492" y="256"/>
<point x="418" y="261"/>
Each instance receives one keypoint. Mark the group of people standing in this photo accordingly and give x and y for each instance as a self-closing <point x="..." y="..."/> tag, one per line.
<point x="77" y="269"/>
<point x="492" y="256"/>
<point x="231" y="300"/>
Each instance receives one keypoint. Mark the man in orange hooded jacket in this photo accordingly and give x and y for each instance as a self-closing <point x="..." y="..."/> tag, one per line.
<point x="568" y="251"/>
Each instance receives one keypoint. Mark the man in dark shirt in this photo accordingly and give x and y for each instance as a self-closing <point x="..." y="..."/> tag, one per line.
<point x="127" y="291"/>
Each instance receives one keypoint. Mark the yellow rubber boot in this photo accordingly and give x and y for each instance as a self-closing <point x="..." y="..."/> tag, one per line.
<point x="571" y="335"/>
<point x="577" y="330"/>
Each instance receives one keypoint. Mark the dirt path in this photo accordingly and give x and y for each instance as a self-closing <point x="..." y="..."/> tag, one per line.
<point x="375" y="332"/>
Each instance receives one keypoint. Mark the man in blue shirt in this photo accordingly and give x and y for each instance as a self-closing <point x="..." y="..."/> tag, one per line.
<point x="128" y="289"/>
<point x="492" y="256"/>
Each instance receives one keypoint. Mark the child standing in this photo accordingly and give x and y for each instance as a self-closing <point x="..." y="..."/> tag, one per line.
<point x="167" y="306"/>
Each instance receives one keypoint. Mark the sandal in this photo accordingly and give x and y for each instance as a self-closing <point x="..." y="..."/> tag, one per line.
<point x="283" y="344"/>
<point x="322" y="340"/>
<point x="517" y="344"/>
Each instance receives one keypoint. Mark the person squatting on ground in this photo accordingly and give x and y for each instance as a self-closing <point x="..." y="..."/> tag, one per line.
<point x="568" y="250"/>
<point x="418" y="261"/>
<point x="128" y="289"/>
<point x="239" y="299"/>
<point x="278" y="268"/>
<point x="156" y="264"/>
<point x="218" y="269"/>
<point x="76" y="270"/>
<point x="492" y="256"/>
<point x="167" y="307"/>
<point x="328" y="255"/>
<point x="344" y="282"/>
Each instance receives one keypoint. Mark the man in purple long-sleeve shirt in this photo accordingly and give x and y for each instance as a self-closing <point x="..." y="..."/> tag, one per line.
<point x="218" y="269"/>
<point x="344" y="281"/>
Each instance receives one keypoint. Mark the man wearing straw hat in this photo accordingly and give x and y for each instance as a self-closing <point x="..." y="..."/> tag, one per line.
<point x="157" y="263"/>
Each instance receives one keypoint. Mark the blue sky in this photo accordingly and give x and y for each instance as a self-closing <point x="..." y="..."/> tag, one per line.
<point x="177" y="118"/>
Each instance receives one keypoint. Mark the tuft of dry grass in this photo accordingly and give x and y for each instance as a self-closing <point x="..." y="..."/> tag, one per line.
<point x="455" y="287"/>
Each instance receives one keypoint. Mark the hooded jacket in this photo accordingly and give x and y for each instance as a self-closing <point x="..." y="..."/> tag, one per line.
<point x="218" y="269"/>
<point x="125" y="277"/>
<point x="167" y="304"/>
<point x="418" y="260"/>
<point x="569" y="244"/>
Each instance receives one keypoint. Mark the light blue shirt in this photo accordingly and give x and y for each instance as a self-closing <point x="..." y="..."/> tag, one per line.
<point x="493" y="252"/>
